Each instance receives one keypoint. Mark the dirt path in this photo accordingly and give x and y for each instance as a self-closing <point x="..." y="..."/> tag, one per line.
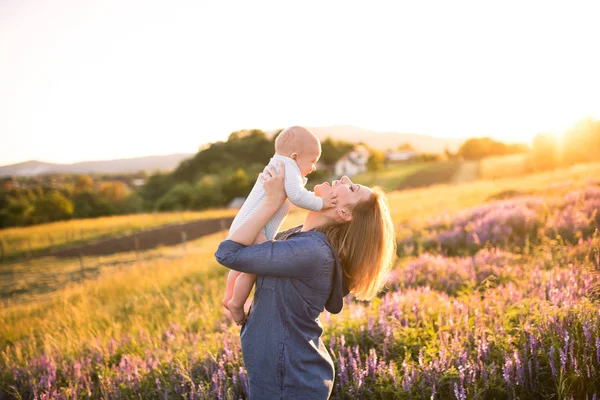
<point x="467" y="172"/>
<point x="434" y="174"/>
<point x="167" y="235"/>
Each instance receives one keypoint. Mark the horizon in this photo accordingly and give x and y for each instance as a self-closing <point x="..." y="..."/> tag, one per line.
<point x="225" y="138"/>
<point x="167" y="79"/>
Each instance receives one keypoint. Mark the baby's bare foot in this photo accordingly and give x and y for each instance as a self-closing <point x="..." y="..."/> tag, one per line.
<point x="238" y="314"/>
<point x="225" y="303"/>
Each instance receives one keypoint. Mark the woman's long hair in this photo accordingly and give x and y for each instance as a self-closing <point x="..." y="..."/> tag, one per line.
<point x="365" y="246"/>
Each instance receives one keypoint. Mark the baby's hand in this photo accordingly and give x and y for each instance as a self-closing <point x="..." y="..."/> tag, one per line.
<point x="330" y="201"/>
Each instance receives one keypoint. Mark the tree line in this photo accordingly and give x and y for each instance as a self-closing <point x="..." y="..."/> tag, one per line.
<point x="217" y="174"/>
<point x="224" y="170"/>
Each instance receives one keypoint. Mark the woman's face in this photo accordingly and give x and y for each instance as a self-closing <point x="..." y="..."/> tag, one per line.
<point x="348" y="193"/>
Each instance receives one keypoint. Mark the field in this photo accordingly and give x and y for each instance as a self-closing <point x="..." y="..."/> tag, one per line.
<point x="494" y="295"/>
<point x="18" y="242"/>
<point x="391" y="177"/>
<point x="503" y="166"/>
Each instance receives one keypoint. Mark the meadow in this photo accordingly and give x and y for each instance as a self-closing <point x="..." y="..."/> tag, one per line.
<point x="503" y="166"/>
<point x="392" y="176"/>
<point x="23" y="241"/>
<point x="494" y="295"/>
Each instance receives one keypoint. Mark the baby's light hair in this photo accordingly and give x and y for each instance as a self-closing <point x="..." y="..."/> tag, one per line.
<point x="293" y="139"/>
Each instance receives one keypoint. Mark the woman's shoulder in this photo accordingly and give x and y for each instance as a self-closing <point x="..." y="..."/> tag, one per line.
<point x="295" y="232"/>
<point x="311" y="240"/>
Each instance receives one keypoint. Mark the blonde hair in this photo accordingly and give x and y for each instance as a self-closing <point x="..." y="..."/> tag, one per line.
<point x="365" y="246"/>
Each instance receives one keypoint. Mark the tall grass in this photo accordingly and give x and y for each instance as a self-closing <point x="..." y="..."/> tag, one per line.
<point x="392" y="176"/>
<point x="504" y="321"/>
<point x="23" y="240"/>
<point x="503" y="166"/>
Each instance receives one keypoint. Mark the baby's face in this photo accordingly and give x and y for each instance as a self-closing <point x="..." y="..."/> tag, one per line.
<point x="307" y="159"/>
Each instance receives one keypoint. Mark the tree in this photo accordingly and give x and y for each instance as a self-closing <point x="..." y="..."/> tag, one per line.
<point x="239" y="151"/>
<point x="237" y="184"/>
<point x="91" y="205"/>
<point x="449" y="155"/>
<point x="156" y="186"/>
<point x="178" y="198"/>
<point x="333" y="150"/>
<point x="52" y="207"/>
<point x="406" y="147"/>
<point x="545" y="151"/>
<point x="133" y="204"/>
<point x="84" y="183"/>
<point x="114" y="192"/>
<point x="207" y="193"/>
<point x="376" y="160"/>
<point x="478" y="148"/>
<point x="581" y="142"/>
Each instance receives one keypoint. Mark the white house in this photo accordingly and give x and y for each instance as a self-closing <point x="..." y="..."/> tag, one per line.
<point x="352" y="163"/>
<point x="400" y="156"/>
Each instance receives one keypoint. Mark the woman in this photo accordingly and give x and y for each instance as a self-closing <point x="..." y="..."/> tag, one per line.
<point x="340" y="250"/>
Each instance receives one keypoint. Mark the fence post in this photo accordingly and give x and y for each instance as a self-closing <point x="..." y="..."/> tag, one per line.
<point x="183" y="240"/>
<point x="136" y="242"/>
<point x="28" y="248"/>
<point x="81" y="267"/>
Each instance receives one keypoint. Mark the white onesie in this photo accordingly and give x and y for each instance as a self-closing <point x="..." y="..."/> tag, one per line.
<point x="296" y="193"/>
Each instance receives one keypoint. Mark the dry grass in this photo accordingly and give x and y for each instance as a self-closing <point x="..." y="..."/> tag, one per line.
<point x="502" y="166"/>
<point x="53" y="308"/>
<point x="20" y="241"/>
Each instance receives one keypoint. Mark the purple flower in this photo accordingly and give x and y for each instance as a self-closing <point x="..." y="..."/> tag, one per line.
<point x="459" y="392"/>
<point x="554" y="374"/>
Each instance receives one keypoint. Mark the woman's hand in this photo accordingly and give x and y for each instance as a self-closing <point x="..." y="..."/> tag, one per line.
<point x="273" y="183"/>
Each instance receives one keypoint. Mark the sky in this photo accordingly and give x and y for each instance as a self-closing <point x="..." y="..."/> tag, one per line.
<point x="91" y="80"/>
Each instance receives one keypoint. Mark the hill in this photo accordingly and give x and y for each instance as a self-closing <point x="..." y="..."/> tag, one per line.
<point x="150" y="163"/>
<point x="388" y="140"/>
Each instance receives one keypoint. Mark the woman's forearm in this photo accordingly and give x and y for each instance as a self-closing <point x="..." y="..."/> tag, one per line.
<point x="249" y="229"/>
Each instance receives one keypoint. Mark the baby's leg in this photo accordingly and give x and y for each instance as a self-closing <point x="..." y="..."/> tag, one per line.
<point x="231" y="278"/>
<point x="260" y="238"/>
<point x="241" y="290"/>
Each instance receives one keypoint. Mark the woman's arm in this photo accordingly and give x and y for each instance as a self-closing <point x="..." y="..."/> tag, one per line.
<point x="273" y="181"/>
<point x="298" y="257"/>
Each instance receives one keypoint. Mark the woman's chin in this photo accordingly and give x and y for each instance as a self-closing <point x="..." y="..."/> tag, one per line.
<point x="322" y="189"/>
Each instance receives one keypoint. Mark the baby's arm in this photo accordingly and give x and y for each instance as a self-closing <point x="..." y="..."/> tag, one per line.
<point x="300" y="196"/>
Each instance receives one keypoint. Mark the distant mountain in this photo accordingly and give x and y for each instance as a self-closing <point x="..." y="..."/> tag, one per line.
<point x="378" y="140"/>
<point x="388" y="140"/>
<point x="126" y="165"/>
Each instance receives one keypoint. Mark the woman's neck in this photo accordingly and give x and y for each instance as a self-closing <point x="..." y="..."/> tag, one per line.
<point x="315" y="220"/>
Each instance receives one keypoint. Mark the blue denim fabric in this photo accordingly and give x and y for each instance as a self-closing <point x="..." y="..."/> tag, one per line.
<point x="281" y="341"/>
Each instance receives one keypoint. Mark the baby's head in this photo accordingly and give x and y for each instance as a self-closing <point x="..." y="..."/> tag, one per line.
<point x="301" y="145"/>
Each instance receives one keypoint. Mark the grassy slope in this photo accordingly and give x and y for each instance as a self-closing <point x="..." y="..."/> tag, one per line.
<point x="172" y="286"/>
<point x="502" y="166"/>
<point x="391" y="177"/>
<point x="20" y="241"/>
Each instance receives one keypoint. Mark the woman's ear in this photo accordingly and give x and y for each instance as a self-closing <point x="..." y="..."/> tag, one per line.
<point x="294" y="156"/>
<point x="345" y="214"/>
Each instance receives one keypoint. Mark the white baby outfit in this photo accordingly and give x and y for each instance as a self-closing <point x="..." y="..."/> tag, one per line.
<point x="296" y="193"/>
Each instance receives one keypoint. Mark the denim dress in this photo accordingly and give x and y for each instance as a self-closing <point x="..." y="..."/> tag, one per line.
<point x="298" y="278"/>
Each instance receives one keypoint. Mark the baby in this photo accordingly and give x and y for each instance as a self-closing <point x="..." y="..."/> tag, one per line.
<point x="299" y="150"/>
